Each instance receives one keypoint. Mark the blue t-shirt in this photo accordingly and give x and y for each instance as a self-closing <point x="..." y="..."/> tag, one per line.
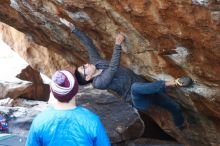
<point x="74" y="127"/>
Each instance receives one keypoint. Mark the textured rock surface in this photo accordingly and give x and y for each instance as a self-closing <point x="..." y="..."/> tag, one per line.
<point x="120" y="119"/>
<point x="38" y="90"/>
<point x="13" y="89"/>
<point x="148" y="142"/>
<point x="189" y="26"/>
<point x="38" y="57"/>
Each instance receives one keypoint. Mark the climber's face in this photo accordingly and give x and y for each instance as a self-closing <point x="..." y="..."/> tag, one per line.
<point x="87" y="70"/>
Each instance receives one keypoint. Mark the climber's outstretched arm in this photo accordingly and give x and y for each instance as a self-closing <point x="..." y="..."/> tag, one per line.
<point x="94" y="56"/>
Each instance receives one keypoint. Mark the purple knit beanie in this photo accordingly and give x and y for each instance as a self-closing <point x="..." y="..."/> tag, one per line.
<point x="64" y="85"/>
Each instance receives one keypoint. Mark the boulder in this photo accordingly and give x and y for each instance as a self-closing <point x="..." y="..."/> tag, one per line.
<point x="38" y="90"/>
<point x="13" y="88"/>
<point x="120" y="119"/>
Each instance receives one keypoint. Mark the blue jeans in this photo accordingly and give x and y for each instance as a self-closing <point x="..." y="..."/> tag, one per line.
<point x="145" y="95"/>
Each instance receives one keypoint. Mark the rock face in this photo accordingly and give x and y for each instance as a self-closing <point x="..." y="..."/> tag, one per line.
<point x="120" y="119"/>
<point x="38" y="90"/>
<point x="38" y="57"/>
<point x="13" y="89"/>
<point x="27" y="84"/>
<point x="191" y="27"/>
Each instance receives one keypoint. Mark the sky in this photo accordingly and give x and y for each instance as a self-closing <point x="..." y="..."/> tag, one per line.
<point x="11" y="63"/>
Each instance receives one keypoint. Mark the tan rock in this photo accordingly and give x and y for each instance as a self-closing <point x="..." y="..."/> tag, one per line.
<point x="38" y="90"/>
<point x="13" y="89"/>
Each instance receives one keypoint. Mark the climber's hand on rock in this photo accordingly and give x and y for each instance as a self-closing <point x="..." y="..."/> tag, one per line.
<point x="119" y="39"/>
<point x="67" y="23"/>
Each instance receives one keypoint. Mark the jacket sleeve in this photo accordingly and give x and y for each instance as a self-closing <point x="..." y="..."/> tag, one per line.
<point x="32" y="139"/>
<point x="101" y="138"/>
<point x="94" y="56"/>
<point x="102" y="81"/>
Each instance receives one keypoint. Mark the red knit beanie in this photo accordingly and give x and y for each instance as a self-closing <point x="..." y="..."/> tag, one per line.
<point x="64" y="85"/>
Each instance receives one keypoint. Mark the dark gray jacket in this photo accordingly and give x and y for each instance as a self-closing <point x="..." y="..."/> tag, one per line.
<point x="114" y="77"/>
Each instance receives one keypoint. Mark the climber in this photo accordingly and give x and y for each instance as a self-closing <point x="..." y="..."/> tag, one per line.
<point x="133" y="88"/>
<point x="65" y="124"/>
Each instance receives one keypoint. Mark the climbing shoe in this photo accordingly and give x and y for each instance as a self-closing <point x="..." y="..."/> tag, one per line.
<point x="183" y="82"/>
